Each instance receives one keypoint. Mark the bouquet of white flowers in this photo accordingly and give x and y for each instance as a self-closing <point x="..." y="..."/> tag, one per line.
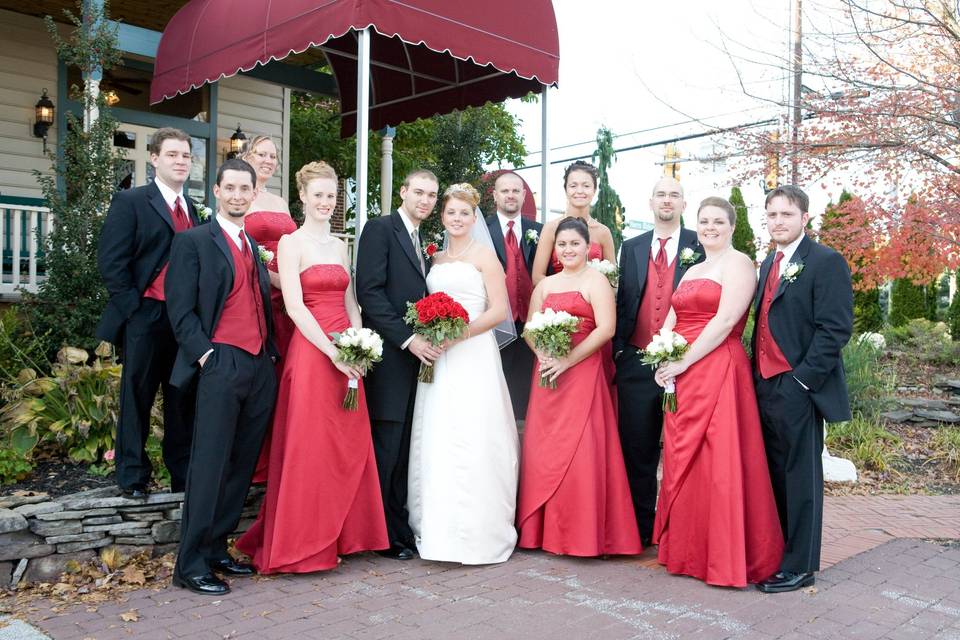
<point x="360" y="348"/>
<point x="552" y="333"/>
<point x="666" y="346"/>
<point x="608" y="269"/>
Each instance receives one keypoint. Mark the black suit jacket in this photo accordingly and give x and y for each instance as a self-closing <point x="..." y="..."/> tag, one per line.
<point x="529" y="249"/>
<point x="198" y="283"/>
<point x="634" y="259"/>
<point x="134" y="246"/>
<point x="388" y="277"/>
<point x="811" y="319"/>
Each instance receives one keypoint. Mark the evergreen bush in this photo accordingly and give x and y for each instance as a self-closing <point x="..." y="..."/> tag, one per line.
<point x="907" y="302"/>
<point x="743" y="238"/>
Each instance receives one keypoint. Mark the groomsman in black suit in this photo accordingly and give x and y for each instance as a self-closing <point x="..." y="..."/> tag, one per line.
<point x="804" y="317"/>
<point x="515" y="240"/>
<point x="651" y="265"/>
<point x="218" y="295"/>
<point x="392" y="271"/>
<point x="132" y="258"/>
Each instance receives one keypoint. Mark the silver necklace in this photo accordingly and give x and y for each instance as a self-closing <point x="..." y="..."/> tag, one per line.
<point x="317" y="239"/>
<point x="451" y="254"/>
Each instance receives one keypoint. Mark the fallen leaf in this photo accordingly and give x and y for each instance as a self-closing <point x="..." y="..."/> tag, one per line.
<point x="110" y="556"/>
<point x="810" y="590"/>
<point x="133" y="575"/>
<point x="130" y="616"/>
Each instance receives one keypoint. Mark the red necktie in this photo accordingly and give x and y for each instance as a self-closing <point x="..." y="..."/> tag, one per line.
<point x="181" y="221"/>
<point x="660" y="261"/>
<point x="773" y="278"/>
<point x="519" y="285"/>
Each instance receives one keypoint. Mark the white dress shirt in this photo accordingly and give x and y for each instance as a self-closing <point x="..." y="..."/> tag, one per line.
<point x="789" y="250"/>
<point x="517" y="225"/>
<point x="671" y="248"/>
<point x="170" y="196"/>
<point x="233" y="230"/>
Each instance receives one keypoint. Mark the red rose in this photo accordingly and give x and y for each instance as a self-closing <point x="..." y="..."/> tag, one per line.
<point x="430" y="249"/>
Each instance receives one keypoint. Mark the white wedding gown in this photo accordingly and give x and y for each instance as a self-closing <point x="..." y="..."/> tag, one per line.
<point x="464" y="448"/>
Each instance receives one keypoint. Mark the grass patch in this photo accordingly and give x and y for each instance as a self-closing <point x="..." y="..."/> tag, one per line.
<point x="865" y="442"/>
<point x="946" y="446"/>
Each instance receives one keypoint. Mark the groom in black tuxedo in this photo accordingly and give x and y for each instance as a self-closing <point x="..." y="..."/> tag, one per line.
<point x="392" y="271"/>
<point x="651" y="266"/>
<point x="804" y="317"/>
<point x="218" y="295"/>
<point x="515" y="240"/>
<point x="132" y="258"/>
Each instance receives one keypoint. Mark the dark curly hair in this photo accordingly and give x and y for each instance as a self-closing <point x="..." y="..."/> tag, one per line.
<point x="581" y="165"/>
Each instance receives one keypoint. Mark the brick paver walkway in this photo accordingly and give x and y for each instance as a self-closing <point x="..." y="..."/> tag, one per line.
<point x="895" y="588"/>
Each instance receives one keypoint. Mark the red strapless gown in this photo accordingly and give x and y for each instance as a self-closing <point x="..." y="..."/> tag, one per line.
<point x="716" y="516"/>
<point x="267" y="227"/>
<point x="574" y="497"/>
<point x="323" y="491"/>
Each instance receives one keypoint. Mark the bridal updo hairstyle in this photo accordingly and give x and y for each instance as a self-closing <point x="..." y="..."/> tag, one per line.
<point x="720" y="203"/>
<point x="580" y="165"/>
<point x="574" y="224"/>
<point x="312" y="171"/>
<point x="461" y="191"/>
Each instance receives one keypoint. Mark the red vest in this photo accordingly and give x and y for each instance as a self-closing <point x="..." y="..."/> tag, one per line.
<point x="655" y="304"/>
<point x="770" y="359"/>
<point x="155" y="289"/>
<point x="236" y="326"/>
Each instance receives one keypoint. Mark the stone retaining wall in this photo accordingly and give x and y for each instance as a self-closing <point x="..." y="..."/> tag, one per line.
<point x="40" y="535"/>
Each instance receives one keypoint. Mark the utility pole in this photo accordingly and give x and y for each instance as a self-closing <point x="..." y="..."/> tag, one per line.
<point x="797" y="84"/>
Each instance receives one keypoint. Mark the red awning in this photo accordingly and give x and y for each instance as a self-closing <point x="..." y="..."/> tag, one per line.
<point x="426" y="56"/>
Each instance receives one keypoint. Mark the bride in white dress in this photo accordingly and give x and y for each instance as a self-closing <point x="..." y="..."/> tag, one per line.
<point x="464" y="448"/>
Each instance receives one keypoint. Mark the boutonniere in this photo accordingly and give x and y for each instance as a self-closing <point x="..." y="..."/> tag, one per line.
<point x="792" y="271"/>
<point x="266" y="256"/>
<point x="531" y="236"/>
<point x="429" y="249"/>
<point x="688" y="257"/>
<point x="203" y="211"/>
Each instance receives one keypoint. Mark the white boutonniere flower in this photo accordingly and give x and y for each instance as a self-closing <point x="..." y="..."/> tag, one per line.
<point x="203" y="211"/>
<point x="531" y="236"/>
<point x="792" y="271"/>
<point x="266" y="256"/>
<point x="688" y="257"/>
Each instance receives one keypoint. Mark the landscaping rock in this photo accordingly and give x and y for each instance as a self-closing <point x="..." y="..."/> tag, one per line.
<point x="922" y="403"/>
<point x="6" y="572"/>
<point x="130" y="529"/>
<point x="899" y="415"/>
<point x="23" y="544"/>
<point x="127" y="551"/>
<point x="139" y="541"/>
<point x="11" y="521"/>
<point x="22" y="497"/>
<point x="165" y="531"/>
<point x="31" y="510"/>
<point x="61" y="528"/>
<point x="939" y="416"/>
<point x="164" y="549"/>
<point x="75" y="537"/>
<point x="118" y="527"/>
<point x="78" y="504"/>
<point x="18" y="571"/>
<point x="101" y="520"/>
<point x="74" y="515"/>
<point x="147" y="516"/>
<point x="49" y="568"/>
<point x="174" y="514"/>
<point x="70" y="547"/>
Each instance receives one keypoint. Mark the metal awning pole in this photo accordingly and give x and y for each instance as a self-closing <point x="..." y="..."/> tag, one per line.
<point x="544" y="153"/>
<point x="363" y="120"/>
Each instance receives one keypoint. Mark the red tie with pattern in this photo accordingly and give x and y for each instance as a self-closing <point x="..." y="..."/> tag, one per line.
<point x="660" y="261"/>
<point x="773" y="278"/>
<point x="518" y="285"/>
<point x="181" y="221"/>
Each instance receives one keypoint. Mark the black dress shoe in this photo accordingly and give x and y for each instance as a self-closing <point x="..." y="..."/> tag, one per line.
<point x="137" y="491"/>
<point x="231" y="567"/>
<point x="207" y="584"/>
<point x="398" y="552"/>
<point x="784" y="581"/>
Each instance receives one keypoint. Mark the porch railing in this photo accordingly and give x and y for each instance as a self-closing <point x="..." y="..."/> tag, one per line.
<point x="22" y="228"/>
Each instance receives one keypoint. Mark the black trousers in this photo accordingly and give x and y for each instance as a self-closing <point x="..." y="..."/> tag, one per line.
<point x="148" y="352"/>
<point x="517" y="360"/>
<point x="793" y="437"/>
<point x="641" y="424"/>
<point x="391" y="446"/>
<point x="235" y="397"/>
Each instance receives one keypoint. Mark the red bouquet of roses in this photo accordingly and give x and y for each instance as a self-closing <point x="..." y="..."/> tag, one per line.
<point x="438" y="318"/>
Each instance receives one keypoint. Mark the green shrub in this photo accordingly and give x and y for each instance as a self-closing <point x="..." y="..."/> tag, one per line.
<point x="13" y="466"/>
<point x="867" y="313"/>
<point x="863" y="441"/>
<point x="953" y="313"/>
<point x="926" y="341"/>
<point x="946" y="446"/>
<point x="869" y="381"/>
<point x="74" y="410"/>
<point x="743" y="237"/>
<point x="907" y="301"/>
<point x="19" y="348"/>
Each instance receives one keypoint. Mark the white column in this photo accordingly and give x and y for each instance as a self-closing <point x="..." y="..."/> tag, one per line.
<point x="544" y="153"/>
<point x="386" y="170"/>
<point x="363" y="119"/>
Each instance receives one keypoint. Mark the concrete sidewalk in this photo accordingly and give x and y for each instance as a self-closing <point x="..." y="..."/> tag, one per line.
<point x="894" y="588"/>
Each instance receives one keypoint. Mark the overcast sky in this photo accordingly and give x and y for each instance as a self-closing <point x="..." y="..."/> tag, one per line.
<point x="643" y="66"/>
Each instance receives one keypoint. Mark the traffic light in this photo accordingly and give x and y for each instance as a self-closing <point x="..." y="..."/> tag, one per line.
<point x="671" y="154"/>
<point x="771" y="177"/>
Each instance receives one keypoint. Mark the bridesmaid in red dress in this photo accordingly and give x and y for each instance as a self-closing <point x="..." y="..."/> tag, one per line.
<point x="574" y="497"/>
<point x="716" y="516"/>
<point x="323" y="491"/>
<point x="268" y="221"/>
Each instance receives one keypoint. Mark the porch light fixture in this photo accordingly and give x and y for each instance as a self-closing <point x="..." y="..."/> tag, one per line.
<point x="237" y="140"/>
<point x="111" y="97"/>
<point x="44" y="110"/>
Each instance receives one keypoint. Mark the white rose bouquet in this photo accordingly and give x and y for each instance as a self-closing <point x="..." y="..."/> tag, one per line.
<point x="360" y="348"/>
<point x="552" y="333"/>
<point x="666" y="346"/>
<point x="608" y="269"/>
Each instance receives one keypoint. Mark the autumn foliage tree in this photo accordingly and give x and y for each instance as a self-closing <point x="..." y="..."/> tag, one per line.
<point x="885" y="114"/>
